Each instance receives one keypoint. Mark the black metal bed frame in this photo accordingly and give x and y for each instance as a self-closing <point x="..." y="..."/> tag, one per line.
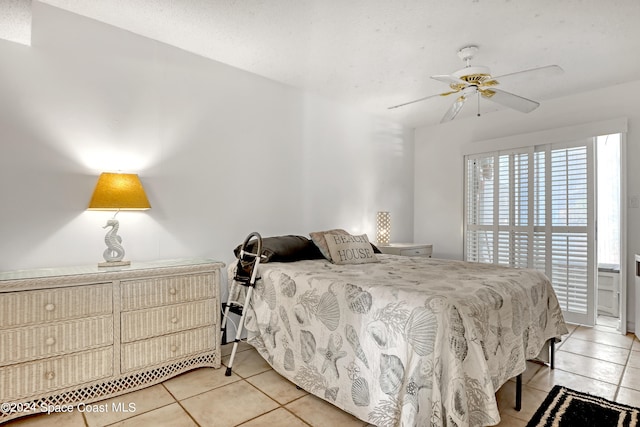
<point x="552" y="349"/>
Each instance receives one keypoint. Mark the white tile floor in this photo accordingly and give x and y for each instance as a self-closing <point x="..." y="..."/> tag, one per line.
<point x="594" y="360"/>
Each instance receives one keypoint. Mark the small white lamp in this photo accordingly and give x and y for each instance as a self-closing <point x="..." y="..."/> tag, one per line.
<point x="117" y="191"/>
<point x="383" y="227"/>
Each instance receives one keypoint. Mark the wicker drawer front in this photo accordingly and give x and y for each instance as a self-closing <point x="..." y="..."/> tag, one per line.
<point x="145" y="354"/>
<point x="153" y="322"/>
<point x="48" y="375"/>
<point x="54" y="339"/>
<point x="31" y="307"/>
<point x="160" y="291"/>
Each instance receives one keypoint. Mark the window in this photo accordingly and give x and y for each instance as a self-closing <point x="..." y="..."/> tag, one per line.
<point x="532" y="208"/>
<point x="608" y="152"/>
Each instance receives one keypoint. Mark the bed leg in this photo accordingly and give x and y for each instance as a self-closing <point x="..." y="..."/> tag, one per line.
<point x="552" y="352"/>
<point x="519" y="392"/>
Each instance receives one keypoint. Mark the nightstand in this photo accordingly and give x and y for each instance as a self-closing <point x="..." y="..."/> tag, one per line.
<point x="407" y="249"/>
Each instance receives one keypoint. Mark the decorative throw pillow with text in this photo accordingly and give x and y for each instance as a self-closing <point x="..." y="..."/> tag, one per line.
<point x="318" y="238"/>
<point x="348" y="249"/>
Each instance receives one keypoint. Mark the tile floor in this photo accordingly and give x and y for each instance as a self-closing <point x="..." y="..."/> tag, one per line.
<point x="594" y="360"/>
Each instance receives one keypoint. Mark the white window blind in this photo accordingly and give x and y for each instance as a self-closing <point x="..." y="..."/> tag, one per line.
<point x="532" y="208"/>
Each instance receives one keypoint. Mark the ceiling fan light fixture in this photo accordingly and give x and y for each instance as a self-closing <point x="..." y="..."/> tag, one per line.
<point x="487" y="93"/>
<point x="476" y="80"/>
<point x="476" y="70"/>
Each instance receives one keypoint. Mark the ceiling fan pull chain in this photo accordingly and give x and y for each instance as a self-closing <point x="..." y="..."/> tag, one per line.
<point x="478" y="103"/>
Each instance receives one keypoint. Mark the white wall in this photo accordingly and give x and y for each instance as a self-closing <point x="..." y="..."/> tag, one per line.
<point x="439" y="163"/>
<point x="221" y="152"/>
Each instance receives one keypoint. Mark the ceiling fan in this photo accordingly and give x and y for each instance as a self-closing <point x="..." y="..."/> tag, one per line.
<point x="477" y="80"/>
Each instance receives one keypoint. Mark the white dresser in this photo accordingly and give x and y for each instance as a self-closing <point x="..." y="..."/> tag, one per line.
<point x="83" y="334"/>
<point x="407" y="249"/>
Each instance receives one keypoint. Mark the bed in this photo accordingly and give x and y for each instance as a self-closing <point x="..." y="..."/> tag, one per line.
<point x="405" y="341"/>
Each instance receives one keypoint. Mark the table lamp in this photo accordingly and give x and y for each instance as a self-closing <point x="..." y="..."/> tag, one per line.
<point x="383" y="227"/>
<point x="117" y="191"/>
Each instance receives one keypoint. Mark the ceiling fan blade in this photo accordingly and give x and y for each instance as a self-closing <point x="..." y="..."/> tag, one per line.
<point x="540" y="72"/>
<point x="421" y="99"/>
<point x="510" y="100"/>
<point x="454" y="109"/>
<point x="412" y="102"/>
<point x="450" y="80"/>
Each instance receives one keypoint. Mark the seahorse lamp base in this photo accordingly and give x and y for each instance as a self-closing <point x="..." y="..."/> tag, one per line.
<point x="114" y="263"/>
<point x="115" y="252"/>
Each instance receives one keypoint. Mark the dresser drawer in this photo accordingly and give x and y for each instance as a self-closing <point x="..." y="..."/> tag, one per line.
<point x="152" y="322"/>
<point x="422" y="251"/>
<point x="155" y="351"/>
<point x="42" y="306"/>
<point x="48" y="375"/>
<point x="54" y="339"/>
<point x="160" y="291"/>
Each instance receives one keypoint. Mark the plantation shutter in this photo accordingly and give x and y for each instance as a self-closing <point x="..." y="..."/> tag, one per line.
<point x="498" y="216"/>
<point x="569" y="229"/>
<point x="480" y="208"/>
<point x="533" y="208"/>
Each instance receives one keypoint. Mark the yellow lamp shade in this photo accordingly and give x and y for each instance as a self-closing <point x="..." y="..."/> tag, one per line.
<point x="119" y="191"/>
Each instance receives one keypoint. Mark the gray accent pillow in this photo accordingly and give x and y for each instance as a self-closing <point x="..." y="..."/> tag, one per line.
<point x="317" y="237"/>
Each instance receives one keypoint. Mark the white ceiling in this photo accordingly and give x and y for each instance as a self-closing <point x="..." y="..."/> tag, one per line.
<point x="15" y="21"/>
<point x="376" y="53"/>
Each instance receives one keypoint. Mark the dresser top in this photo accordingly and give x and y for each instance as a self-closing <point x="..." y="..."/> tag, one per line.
<point x="93" y="272"/>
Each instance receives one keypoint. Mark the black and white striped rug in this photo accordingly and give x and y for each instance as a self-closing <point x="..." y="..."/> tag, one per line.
<point x="564" y="407"/>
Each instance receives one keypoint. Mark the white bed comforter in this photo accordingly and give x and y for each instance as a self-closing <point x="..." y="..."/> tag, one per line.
<point x="406" y="341"/>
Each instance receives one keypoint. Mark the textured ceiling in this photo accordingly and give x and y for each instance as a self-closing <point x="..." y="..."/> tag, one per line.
<point x="376" y="53"/>
<point x="15" y="21"/>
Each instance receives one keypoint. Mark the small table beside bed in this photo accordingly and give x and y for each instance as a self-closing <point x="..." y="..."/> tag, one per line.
<point x="397" y="340"/>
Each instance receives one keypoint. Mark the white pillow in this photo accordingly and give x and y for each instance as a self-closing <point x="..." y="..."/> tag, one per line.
<point x="348" y="249"/>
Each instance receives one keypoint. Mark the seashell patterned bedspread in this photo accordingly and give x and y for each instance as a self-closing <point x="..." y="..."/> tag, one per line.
<point x="406" y="341"/>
